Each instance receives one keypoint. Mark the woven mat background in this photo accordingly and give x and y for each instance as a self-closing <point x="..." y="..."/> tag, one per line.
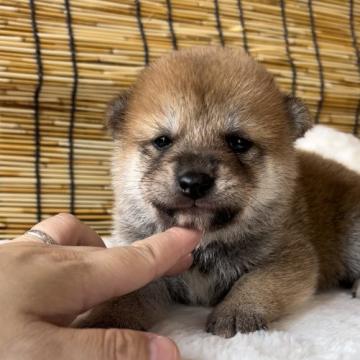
<point x="62" y="60"/>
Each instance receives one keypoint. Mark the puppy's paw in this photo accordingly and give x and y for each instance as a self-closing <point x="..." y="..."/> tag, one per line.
<point x="356" y="289"/>
<point x="226" y="321"/>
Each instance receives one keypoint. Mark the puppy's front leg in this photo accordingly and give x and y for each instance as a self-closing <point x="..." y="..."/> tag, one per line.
<point x="138" y="310"/>
<point x="265" y="294"/>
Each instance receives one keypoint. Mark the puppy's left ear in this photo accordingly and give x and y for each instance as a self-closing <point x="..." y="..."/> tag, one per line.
<point x="115" y="112"/>
<point x="300" y="117"/>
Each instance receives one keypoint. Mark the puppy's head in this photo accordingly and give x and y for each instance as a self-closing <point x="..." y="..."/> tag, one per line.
<point x="204" y="139"/>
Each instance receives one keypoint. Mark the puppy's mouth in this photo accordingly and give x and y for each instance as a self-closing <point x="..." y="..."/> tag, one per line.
<point x="210" y="216"/>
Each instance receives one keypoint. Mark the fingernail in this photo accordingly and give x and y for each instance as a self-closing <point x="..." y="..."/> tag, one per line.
<point x="162" y="348"/>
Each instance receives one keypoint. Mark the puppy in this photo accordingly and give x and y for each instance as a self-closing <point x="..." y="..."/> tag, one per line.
<point x="204" y="140"/>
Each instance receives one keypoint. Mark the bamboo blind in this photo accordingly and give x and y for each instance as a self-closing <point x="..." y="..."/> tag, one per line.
<point x="62" y="60"/>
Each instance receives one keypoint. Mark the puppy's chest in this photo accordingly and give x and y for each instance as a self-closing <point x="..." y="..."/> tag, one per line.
<point x="214" y="271"/>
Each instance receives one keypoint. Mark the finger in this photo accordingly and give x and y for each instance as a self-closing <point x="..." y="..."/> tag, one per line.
<point x="116" y="344"/>
<point x="66" y="229"/>
<point x="182" y="265"/>
<point x="27" y="241"/>
<point x="118" y="271"/>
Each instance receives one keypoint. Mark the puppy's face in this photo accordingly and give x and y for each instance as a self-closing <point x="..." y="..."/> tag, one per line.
<point x="205" y="139"/>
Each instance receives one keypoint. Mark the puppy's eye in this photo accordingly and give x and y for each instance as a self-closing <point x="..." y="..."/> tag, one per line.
<point x="238" y="144"/>
<point x="162" y="142"/>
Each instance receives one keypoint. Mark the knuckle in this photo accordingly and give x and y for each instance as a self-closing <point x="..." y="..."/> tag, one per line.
<point x="149" y="258"/>
<point x="122" y="345"/>
<point x="67" y="218"/>
<point x="66" y="255"/>
<point x="150" y="254"/>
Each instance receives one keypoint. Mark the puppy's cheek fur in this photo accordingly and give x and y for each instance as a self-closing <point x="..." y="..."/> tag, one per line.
<point x="126" y="170"/>
<point x="232" y="188"/>
<point x="265" y="190"/>
<point x="158" y="183"/>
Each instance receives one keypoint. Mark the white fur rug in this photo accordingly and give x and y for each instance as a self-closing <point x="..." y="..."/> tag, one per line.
<point x="326" y="328"/>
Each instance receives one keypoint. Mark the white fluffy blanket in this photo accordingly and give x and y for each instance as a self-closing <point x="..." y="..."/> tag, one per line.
<point x="326" y="328"/>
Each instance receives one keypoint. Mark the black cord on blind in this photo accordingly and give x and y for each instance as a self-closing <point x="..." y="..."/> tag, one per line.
<point x="357" y="53"/>
<point x="218" y="23"/>
<point x="242" y="22"/>
<point x="73" y="104"/>
<point x="37" y="135"/>
<point x="287" y="46"/>
<point x="318" y="59"/>
<point x="171" y="24"/>
<point x="142" y="31"/>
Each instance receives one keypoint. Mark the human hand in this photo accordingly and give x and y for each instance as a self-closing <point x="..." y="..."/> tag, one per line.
<point x="44" y="288"/>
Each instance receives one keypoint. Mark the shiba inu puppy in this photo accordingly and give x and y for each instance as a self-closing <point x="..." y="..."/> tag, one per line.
<point x="204" y="139"/>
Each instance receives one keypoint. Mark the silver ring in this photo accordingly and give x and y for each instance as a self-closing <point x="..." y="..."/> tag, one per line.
<point x="45" y="238"/>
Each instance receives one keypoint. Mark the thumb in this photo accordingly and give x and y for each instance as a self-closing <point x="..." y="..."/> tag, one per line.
<point x="118" y="344"/>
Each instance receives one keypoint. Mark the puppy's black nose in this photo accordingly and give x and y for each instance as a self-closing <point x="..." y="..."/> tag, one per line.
<point x="195" y="185"/>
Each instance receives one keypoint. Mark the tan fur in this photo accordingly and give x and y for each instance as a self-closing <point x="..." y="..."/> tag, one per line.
<point x="292" y="219"/>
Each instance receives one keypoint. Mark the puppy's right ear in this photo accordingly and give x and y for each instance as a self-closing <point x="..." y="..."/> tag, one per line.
<point x="115" y="112"/>
<point x="300" y="117"/>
